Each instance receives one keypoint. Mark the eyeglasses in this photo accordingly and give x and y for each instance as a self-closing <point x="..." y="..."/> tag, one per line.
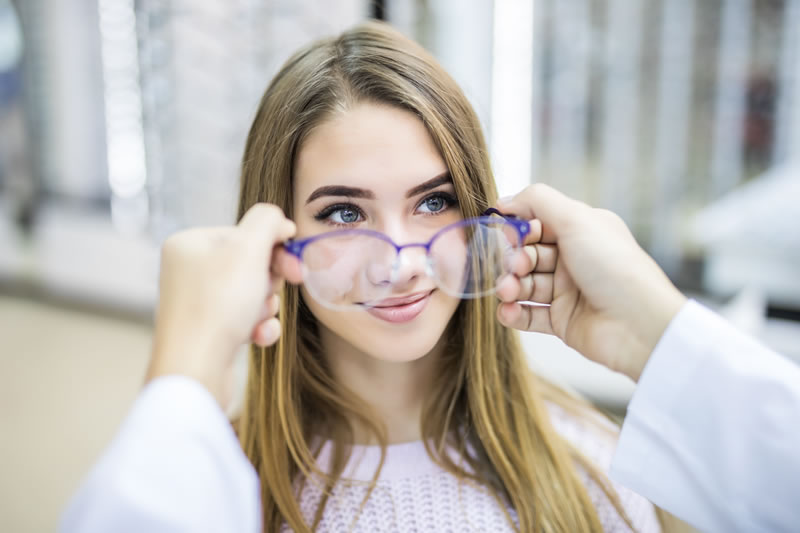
<point x="356" y="268"/>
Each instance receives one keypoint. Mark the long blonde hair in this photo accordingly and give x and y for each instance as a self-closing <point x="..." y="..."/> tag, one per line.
<point x="486" y="404"/>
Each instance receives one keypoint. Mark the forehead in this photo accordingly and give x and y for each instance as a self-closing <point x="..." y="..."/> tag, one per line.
<point x="370" y="146"/>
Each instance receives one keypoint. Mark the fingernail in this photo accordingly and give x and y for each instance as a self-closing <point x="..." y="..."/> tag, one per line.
<point x="273" y="332"/>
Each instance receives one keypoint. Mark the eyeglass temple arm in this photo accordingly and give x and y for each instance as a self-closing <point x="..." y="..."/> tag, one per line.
<point x="522" y="225"/>
<point x="493" y="211"/>
<point x="295" y="247"/>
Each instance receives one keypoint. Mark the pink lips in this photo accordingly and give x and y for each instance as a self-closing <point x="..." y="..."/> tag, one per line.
<point x="399" y="310"/>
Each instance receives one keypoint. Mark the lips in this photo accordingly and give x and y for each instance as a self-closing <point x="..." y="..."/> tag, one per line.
<point x="400" y="310"/>
<point x="405" y="300"/>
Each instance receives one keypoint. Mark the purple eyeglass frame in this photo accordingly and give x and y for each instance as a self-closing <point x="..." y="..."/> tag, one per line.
<point x="296" y="247"/>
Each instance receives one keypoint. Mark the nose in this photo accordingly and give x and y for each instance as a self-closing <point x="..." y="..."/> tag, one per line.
<point x="409" y="267"/>
<point x="403" y="264"/>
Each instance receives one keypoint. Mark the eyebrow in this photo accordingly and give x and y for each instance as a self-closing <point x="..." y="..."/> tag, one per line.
<point x="432" y="183"/>
<point x="354" y="192"/>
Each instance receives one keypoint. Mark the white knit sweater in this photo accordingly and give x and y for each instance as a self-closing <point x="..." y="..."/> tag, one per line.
<point x="413" y="494"/>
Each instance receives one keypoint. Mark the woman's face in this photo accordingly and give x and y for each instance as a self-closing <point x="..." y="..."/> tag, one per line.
<point x="376" y="167"/>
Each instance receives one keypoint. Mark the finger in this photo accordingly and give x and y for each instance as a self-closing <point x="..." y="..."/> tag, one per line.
<point x="542" y="291"/>
<point x="266" y="225"/>
<point x="531" y="288"/>
<point x="537" y="201"/>
<point x="525" y="317"/>
<point x="266" y="332"/>
<point x="535" y="232"/>
<point x="534" y="258"/>
<point x="286" y="266"/>
<point x="269" y="308"/>
<point x="540" y="201"/>
<point x="533" y="235"/>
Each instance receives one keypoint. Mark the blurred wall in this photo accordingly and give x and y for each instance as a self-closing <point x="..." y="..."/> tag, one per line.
<point x="67" y="378"/>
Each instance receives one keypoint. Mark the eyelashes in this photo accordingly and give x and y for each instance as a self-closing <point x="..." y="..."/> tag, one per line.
<point x="326" y="213"/>
<point x="349" y="213"/>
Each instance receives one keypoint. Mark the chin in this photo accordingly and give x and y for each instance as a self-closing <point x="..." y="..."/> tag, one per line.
<point x="385" y="340"/>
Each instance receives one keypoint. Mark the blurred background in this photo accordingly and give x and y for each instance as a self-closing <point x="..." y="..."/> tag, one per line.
<point x="122" y="121"/>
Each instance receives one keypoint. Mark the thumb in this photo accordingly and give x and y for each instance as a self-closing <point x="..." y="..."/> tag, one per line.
<point x="554" y="209"/>
<point x="265" y="225"/>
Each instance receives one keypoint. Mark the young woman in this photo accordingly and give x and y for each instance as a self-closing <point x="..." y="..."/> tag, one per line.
<point x="392" y="402"/>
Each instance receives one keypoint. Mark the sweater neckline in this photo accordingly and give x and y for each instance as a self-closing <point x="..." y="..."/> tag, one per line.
<point x="403" y="460"/>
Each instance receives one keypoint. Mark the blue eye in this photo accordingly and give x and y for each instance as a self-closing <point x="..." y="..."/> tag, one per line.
<point x="345" y="216"/>
<point x="437" y="203"/>
<point x="340" y="215"/>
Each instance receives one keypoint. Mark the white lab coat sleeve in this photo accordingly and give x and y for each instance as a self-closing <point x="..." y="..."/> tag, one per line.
<point x="712" y="433"/>
<point x="175" y="465"/>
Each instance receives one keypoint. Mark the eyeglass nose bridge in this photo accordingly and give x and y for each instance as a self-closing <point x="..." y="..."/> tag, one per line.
<point x="399" y="261"/>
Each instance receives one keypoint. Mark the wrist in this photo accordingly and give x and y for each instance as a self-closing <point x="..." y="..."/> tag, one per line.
<point x="200" y="357"/>
<point x="650" y="326"/>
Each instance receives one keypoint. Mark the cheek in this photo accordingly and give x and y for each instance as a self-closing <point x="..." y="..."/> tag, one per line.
<point x="451" y="257"/>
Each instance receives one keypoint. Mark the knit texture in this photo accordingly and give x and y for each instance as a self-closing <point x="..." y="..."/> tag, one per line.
<point x="413" y="494"/>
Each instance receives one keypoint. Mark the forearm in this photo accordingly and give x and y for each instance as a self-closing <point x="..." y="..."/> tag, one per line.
<point x="648" y="323"/>
<point x="188" y="348"/>
<point x="174" y="465"/>
<point x="711" y="432"/>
